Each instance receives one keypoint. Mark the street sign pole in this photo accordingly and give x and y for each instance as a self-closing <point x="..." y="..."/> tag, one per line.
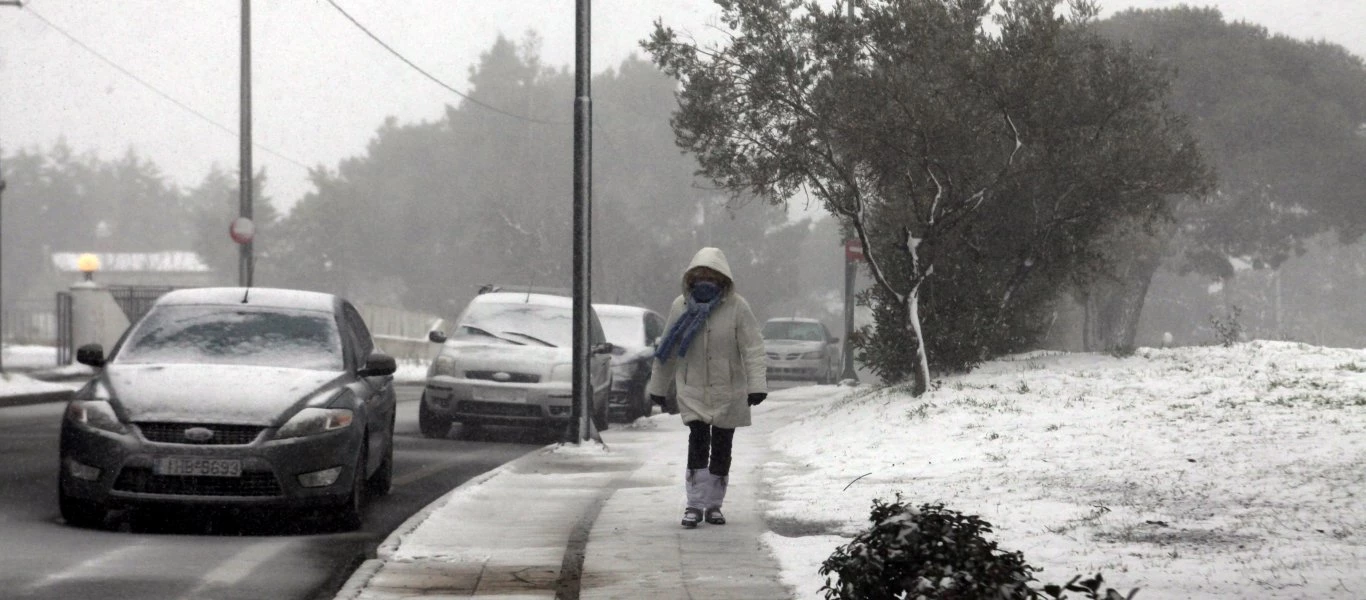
<point x="853" y="252"/>
<point x="244" y="249"/>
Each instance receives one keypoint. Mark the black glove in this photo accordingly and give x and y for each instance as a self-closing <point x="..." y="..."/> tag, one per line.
<point x="658" y="400"/>
<point x="756" y="397"/>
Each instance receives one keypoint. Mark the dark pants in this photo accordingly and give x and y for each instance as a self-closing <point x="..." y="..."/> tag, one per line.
<point x="709" y="448"/>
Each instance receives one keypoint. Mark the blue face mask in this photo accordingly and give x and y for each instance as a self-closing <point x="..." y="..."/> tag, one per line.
<point x="704" y="291"/>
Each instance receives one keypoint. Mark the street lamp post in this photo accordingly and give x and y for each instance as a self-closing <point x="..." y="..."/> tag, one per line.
<point x="16" y="4"/>
<point x="582" y="387"/>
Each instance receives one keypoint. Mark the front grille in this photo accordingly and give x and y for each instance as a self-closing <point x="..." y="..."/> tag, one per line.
<point x="512" y="377"/>
<point x="141" y="480"/>
<point x="223" y="435"/>
<point x="475" y="407"/>
<point x="777" y="356"/>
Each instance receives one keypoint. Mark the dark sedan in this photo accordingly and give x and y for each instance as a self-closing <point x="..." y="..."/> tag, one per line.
<point x="232" y="397"/>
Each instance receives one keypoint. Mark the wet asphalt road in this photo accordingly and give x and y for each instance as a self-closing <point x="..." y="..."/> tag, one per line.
<point x="212" y="555"/>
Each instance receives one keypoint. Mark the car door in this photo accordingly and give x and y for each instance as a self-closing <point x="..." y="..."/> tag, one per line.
<point x="600" y="365"/>
<point x="377" y="393"/>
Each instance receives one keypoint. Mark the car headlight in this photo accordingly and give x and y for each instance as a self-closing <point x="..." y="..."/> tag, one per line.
<point x="812" y="355"/>
<point x="311" y="421"/>
<point x="443" y="365"/>
<point x="98" y="414"/>
<point x="562" y="372"/>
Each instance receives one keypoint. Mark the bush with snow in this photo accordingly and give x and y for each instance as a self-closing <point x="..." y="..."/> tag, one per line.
<point x="933" y="553"/>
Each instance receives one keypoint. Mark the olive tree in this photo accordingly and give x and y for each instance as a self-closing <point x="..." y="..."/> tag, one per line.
<point x="936" y="140"/>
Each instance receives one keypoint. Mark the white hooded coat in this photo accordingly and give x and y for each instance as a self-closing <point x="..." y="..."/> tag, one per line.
<point x="725" y="362"/>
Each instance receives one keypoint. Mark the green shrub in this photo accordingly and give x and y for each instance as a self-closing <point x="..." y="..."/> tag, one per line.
<point x="933" y="553"/>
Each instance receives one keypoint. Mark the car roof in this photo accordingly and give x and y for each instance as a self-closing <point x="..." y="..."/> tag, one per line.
<point x="792" y="320"/>
<point x="256" y="296"/>
<point x="523" y="298"/>
<point x="620" y="310"/>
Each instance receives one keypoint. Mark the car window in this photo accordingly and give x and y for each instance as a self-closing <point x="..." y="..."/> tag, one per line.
<point x="236" y="335"/>
<point x="654" y="326"/>
<point x="794" y="330"/>
<point x="623" y="329"/>
<point x="595" y="332"/>
<point x="364" y="342"/>
<point x="518" y="323"/>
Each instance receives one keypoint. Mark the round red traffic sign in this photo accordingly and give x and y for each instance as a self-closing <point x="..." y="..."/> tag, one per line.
<point x="242" y="230"/>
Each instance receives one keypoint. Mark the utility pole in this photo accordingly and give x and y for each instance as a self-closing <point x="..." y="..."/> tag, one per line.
<point x="244" y="183"/>
<point x="580" y="422"/>
<point x="16" y="4"/>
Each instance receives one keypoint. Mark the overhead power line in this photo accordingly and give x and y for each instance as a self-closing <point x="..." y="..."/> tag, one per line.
<point x="154" y="89"/>
<point x="433" y="77"/>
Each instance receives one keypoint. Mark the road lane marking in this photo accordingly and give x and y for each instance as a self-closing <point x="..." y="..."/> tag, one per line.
<point x="88" y="568"/>
<point x="236" y="568"/>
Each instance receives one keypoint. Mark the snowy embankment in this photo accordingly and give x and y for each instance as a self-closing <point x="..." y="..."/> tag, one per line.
<point x="1201" y="472"/>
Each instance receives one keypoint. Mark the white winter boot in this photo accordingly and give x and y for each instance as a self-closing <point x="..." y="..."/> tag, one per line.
<point x="716" y="495"/>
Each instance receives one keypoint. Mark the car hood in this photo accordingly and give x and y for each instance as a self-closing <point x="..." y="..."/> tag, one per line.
<point x="792" y="346"/>
<point x="236" y="394"/>
<point x="507" y="357"/>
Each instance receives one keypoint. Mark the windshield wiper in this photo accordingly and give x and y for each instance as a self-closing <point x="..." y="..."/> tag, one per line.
<point x="529" y="337"/>
<point x="478" y="331"/>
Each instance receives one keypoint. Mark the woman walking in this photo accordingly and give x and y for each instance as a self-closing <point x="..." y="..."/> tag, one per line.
<point x="713" y="353"/>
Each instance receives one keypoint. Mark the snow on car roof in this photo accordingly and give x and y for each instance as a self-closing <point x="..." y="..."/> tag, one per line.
<point x="257" y="296"/>
<point x="792" y="320"/>
<point x="524" y="298"/>
<point x="613" y="310"/>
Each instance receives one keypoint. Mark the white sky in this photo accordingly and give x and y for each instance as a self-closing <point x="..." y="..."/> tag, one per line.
<point x="321" y="87"/>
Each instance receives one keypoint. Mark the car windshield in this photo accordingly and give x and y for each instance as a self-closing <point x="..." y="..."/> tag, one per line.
<point x="235" y="335"/>
<point x="623" y="330"/>
<point x="519" y="322"/>
<point x="793" y="330"/>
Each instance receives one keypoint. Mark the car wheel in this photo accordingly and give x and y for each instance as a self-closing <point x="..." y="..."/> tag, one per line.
<point x="383" y="479"/>
<point x="79" y="513"/>
<point x="350" y="514"/>
<point x="431" y="424"/>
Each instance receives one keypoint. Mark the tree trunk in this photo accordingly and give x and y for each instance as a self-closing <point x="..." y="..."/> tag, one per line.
<point x="1114" y="305"/>
<point x="922" y="367"/>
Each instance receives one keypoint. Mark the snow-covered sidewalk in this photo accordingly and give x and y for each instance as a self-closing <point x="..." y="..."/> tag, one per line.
<point x="1201" y="472"/>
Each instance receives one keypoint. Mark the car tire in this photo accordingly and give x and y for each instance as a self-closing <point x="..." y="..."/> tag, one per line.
<point x="79" y="513"/>
<point x="351" y="512"/>
<point x="383" y="480"/>
<point x="431" y="424"/>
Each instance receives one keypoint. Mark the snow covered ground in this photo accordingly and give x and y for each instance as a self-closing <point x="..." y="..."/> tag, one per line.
<point x="1199" y="472"/>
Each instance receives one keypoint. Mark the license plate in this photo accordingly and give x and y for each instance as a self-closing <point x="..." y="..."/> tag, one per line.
<point x="207" y="467"/>
<point x="500" y="395"/>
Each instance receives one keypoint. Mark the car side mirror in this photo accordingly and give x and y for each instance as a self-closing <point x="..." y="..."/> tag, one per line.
<point x="437" y="336"/>
<point x="603" y="348"/>
<point x="91" y="354"/>
<point x="834" y="340"/>
<point x="378" y="364"/>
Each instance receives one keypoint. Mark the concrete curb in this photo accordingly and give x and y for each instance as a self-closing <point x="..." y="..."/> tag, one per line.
<point x="35" y="398"/>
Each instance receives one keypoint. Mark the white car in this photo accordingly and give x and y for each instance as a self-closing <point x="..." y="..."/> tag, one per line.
<point x="799" y="348"/>
<point x="509" y="361"/>
<point x="633" y="332"/>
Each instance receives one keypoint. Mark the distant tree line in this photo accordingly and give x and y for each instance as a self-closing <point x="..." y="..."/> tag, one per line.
<point x="431" y="211"/>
